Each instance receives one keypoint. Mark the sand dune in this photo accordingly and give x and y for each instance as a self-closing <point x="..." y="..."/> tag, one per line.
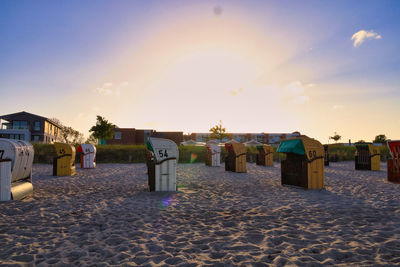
<point x="106" y="217"/>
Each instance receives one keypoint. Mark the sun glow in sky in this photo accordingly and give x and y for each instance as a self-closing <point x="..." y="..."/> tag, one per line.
<point x="314" y="66"/>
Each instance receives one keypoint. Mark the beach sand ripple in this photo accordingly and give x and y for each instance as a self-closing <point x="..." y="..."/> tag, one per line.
<point x="106" y="216"/>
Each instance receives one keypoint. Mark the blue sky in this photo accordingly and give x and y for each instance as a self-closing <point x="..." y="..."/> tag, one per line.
<point x="289" y="65"/>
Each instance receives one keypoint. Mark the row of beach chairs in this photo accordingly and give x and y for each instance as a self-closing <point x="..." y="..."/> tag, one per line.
<point x="303" y="165"/>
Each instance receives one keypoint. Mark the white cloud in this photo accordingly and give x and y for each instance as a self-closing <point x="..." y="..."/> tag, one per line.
<point x="337" y="107"/>
<point x="234" y="93"/>
<point x="108" y="89"/>
<point x="294" y="93"/>
<point x="360" y="36"/>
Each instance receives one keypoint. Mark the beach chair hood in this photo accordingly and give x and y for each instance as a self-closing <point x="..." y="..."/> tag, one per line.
<point x="394" y="148"/>
<point x="267" y="148"/>
<point x="237" y="148"/>
<point x="163" y="149"/>
<point x="87" y="149"/>
<point x="303" y="146"/>
<point x="213" y="147"/>
<point x="64" y="149"/>
<point x="373" y="150"/>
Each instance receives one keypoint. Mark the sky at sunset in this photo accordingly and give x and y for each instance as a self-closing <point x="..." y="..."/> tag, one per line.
<point x="317" y="67"/>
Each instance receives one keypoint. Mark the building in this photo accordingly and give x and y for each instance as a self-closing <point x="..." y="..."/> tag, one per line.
<point x="265" y="138"/>
<point x="29" y="127"/>
<point x="132" y="136"/>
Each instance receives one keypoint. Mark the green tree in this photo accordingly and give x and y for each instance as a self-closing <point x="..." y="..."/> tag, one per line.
<point x="68" y="134"/>
<point x="91" y="140"/>
<point x="336" y="137"/>
<point x="218" y="132"/>
<point x="103" y="129"/>
<point x="380" y="139"/>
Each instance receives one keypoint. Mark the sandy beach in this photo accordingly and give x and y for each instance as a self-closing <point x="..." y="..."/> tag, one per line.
<point x="106" y="216"/>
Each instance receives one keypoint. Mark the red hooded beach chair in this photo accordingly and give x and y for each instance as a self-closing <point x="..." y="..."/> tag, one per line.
<point x="393" y="164"/>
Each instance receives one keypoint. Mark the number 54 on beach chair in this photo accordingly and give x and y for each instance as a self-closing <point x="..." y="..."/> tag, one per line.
<point x="393" y="164"/>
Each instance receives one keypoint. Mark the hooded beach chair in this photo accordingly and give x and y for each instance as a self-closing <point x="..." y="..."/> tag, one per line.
<point x="88" y="156"/>
<point x="326" y="155"/>
<point x="213" y="157"/>
<point x="265" y="156"/>
<point x="16" y="158"/>
<point x="367" y="157"/>
<point x="304" y="163"/>
<point x="162" y="157"/>
<point x="64" y="163"/>
<point x="393" y="164"/>
<point x="235" y="161"/>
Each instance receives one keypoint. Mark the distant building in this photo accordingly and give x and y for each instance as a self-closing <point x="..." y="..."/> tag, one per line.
<point x="265" y="138"/>
<point x="29" y="127"/>
<point x="132" y="136"/>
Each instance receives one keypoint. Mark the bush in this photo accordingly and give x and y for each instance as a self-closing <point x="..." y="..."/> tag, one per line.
<point x="44" y="153"/>
<point x="346" y="153"/>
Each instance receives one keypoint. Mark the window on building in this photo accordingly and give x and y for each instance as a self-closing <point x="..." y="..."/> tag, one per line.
<point x="20" y="125"/>
<point x="37" y="126"/>
<point x="117" y="135"/>
<point x="17" y="136"/>
<point x="35" y="138"/>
